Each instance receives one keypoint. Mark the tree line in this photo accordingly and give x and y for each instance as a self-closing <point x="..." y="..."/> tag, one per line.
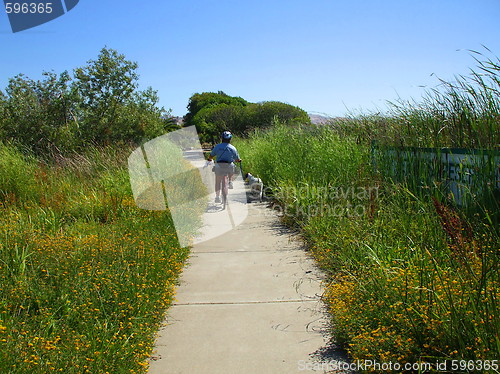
<point x="213" y="113"/>
<point x="100" y="103"/>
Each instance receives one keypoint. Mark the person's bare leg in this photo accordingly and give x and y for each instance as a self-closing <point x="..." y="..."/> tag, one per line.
<point x="218" y="182"/>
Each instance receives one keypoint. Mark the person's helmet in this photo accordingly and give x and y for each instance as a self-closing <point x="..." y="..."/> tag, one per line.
<point x="226" y="135"/>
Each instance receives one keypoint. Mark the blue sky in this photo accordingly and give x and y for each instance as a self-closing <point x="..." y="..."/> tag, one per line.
<point x="325" y="56"/>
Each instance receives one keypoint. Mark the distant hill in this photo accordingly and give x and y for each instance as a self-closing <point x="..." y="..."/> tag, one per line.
<point x="319" y="119"/>
<point x="179" y="121"/>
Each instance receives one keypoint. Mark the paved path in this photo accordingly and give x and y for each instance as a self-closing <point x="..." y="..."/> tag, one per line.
<point x="248" y="302"/>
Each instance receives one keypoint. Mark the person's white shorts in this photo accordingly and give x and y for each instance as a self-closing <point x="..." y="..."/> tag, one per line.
<point x="224" y="168"/>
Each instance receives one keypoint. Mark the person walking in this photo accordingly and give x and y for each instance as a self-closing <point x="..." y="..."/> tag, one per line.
<point x="225" y="155"/>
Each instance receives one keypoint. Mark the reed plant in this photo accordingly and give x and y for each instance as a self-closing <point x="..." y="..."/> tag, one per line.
<point x="460" y="120"/>
<point x="459" y="113"/>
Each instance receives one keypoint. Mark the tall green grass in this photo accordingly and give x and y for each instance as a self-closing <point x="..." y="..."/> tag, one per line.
<point x="303" y="163"/>
<point x="17" y="175"/>
<point x="463" y="113"/>
<point x="409" y="278"/>
<point x="465" y="179"/>
<point x="85" y="276"/>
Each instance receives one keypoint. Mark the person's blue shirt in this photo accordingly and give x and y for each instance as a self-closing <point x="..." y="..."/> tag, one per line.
<point x="225" y="152"/>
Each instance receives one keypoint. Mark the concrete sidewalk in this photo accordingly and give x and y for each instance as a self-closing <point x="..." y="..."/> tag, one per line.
<point x="249" y="302"/>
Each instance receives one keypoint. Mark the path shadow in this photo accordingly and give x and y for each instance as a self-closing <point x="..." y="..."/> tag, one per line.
<point x="280" y="229"/>
<point x="334" y="358"/>
<point x="214" y="208"/>
<point x="332" y="355"/>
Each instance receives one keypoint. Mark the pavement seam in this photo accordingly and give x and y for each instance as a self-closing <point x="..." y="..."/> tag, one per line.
<point x="246" y="302"/>
<point x="232" y="252"/>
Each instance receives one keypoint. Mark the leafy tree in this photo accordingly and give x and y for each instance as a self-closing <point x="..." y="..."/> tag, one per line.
<point x="104" y="86"/>
<point x="3" y="109"/>
<point x="198" y="101"/>
<point x="100" y="104"/>
<point x="211" y="121"/>
<point x="111" y="106"/>
<point x="38" y="113"/>
<point x="22" y="110"/>
<point x="141" y="118"/>
<point x="213" y="113"/>
<point x="268" y="112"/>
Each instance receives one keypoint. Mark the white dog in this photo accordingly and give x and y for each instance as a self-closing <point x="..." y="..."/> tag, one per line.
<point x="256" y="186"/>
